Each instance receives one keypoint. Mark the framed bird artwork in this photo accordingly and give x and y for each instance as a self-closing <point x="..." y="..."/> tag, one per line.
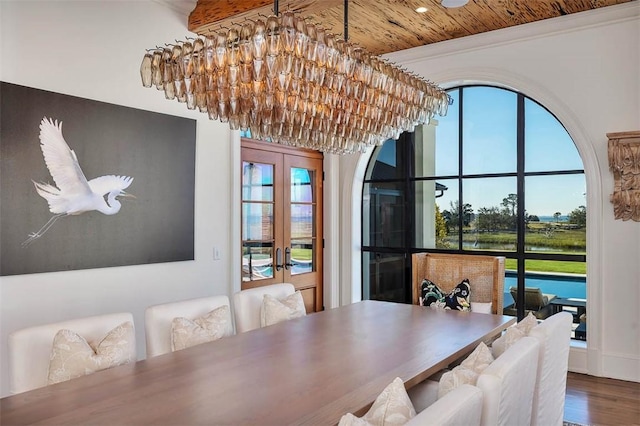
<point x="72" y="194"/>
<point x="87" y="184"/>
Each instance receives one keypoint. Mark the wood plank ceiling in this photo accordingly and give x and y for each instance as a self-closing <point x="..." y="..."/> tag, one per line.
<point x="383" y="26"/>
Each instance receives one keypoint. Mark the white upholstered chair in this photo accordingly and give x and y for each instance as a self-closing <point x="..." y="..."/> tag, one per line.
<point x="247" y="304"/>
<point x="461" y="406"/>
<point x="30" y="348"/>
<point x="158" y="319"/>
<point x="508" y="383"/>
<point x="554" y="336"/>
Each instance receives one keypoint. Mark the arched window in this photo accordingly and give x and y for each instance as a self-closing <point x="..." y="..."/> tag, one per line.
<point x="498" y="175"/>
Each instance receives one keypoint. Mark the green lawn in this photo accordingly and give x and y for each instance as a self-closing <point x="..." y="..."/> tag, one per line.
<point x="550" y="266"/>
<point x="551" y="238"/>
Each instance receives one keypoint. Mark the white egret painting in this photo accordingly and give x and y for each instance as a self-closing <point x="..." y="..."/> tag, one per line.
<point x="87" y="184"/>
<point x="72" y="193"/>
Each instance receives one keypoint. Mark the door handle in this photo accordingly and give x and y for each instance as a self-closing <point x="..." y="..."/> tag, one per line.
<point x="278" y="259"/>
<point x="287" y="258"/>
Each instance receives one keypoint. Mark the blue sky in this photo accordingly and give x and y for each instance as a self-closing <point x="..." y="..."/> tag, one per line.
<point x="490" y="146"/>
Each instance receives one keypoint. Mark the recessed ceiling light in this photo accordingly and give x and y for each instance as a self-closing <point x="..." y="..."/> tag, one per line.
<point x="454" y="3"/>
<point x="421" y="9"/>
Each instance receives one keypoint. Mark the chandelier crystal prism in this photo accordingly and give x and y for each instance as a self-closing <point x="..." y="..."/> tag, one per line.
<point x="291" y="82"/>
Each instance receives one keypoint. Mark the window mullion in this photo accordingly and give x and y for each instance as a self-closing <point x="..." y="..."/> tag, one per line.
<point x="460" y="162"/>
<point x="520" y="247"/>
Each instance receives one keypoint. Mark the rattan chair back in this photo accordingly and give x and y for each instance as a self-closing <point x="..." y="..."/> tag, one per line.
<point x="485" y="275"/>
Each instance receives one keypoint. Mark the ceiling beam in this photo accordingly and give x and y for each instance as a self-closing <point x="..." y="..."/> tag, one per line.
<point x="210" y="15"/>
<point x="383" y="26"/>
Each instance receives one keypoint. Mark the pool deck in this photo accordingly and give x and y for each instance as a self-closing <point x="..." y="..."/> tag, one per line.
<point x="580" y="304"/>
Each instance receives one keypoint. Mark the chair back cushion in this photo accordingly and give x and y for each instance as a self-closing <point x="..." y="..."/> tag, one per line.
<point x="467" y="372"/>
<point x="513" y="334"/>
<point x="247" y="304"/>
<point x="214" y="325"/>
<point x="554" y="336"/>
<point x="158" y="320"/>
<point x="461" y="406"/>
<point x="391" y="407"/>
<point x="275" y="310"/>
<point x="507" y="385"/>
<point x="73" y="356"/>
<point x="30" y="348"/>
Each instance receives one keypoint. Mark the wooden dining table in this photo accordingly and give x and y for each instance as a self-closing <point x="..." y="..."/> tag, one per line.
<point x="310" y="370"/>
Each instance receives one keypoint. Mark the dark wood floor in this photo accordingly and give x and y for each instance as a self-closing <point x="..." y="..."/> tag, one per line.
<point x="597" y="401"/>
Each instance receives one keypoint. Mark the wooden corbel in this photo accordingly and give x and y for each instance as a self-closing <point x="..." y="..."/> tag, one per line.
<point x="624" y="162"/>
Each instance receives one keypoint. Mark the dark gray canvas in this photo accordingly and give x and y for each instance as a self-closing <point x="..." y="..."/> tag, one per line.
<point x="157" y="150"/>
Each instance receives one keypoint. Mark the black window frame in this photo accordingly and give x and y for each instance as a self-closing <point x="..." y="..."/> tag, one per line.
<point x="408" y="181"/>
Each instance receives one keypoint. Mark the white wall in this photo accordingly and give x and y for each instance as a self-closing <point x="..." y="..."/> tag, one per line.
<point x="586" y="69"/>
<point x="93" y="50"/>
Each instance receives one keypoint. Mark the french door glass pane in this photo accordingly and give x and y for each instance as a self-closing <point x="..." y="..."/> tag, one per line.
<point x="257" y="260"/>
<point x="302" y="256"/>
<point x="257" y="221"/>
<point x="301" y="185"/>
<point x="257" y="182"/>
<point x="301" y="221"/>
<point x="489" y="130"/>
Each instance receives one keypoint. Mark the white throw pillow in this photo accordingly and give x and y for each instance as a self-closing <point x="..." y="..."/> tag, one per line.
<point x="481" y="307"/>
<point x="513" y="334"/>
<point x="467" y="372"/>
<point x="527" y="323"/>
<point x="277" y="310"/>
<point x="391" y="407"/>
<point x="479" y="359"/>
<point x="207" y="328"/>
<point x="72" y="356"/>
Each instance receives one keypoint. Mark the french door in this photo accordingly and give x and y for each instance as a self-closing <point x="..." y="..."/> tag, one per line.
<point x="282" y="219"/>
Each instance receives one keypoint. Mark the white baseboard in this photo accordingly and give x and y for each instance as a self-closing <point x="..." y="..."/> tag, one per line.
<point x="621" y="366"/>
<point x="578" y="358"/>
<point x="613" y="366"/>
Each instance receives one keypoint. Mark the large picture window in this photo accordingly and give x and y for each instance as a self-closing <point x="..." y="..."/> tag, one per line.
<point x="499" y="175"/>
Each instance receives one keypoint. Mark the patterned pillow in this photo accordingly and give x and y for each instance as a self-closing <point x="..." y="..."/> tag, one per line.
<point x="457" y="299"/>
<point x="391" y="407"/>
<point x="277" y="310"/>
<point x="72" y="356"/>
<point x="467" y="372"/>
<point x="207" y="328"/>
<point x="430" y="293"/>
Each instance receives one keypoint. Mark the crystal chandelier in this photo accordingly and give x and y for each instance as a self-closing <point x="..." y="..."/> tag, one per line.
<point x="291" y="82"/>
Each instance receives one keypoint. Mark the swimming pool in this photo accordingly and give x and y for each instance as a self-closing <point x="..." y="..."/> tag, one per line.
<point x="565" y="286"/>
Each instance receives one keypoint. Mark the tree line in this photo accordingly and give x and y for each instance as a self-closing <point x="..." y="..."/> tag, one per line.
<point x="497" y="218"/>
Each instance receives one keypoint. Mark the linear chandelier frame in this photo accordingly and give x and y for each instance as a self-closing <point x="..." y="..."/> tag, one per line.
<point x="290" y="82"/>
